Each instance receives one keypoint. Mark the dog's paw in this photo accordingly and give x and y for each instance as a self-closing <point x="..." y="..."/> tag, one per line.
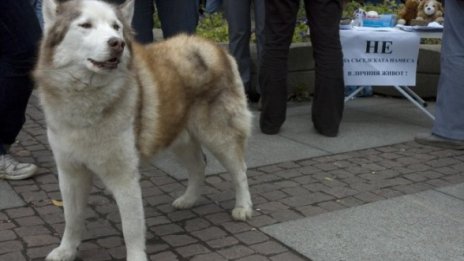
<point x="184" y="202"/>
<point x="242" y="213"/>
<point x="61" y="254"/>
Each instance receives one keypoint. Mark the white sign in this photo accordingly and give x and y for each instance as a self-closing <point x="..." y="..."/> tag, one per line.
<point x="379" y="57"/>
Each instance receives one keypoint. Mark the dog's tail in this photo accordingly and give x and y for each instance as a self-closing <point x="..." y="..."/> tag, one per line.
<point x="206" y="61"/>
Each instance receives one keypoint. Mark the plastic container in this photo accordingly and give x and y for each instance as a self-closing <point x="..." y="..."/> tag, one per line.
<point x="384" y="20"/>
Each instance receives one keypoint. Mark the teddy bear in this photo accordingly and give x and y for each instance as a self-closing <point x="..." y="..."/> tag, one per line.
<point x="430" y="11"/>
<point x="408" y="12"/>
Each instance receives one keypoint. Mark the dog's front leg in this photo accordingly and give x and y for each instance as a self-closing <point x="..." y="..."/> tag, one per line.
<point x="125" y="187"/>
<point x="75" y="184"/>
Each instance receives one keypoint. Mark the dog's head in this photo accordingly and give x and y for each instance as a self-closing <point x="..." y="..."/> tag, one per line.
<point x="88" y="34"/>
<point x="430" y="7"/>
<point x="359" y="13"/>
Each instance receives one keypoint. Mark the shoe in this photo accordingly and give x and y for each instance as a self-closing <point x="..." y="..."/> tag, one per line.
<point x="270" y="131"/>
<point x="437" y="141"/>
<point x="13" y="170"/>
<point x="330" y="134"/>
<point x="252" y="96"/>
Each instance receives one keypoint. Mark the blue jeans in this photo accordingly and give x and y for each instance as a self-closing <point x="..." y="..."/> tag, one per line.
<point x="449" y="109"/>
<point x="19" y="33"/>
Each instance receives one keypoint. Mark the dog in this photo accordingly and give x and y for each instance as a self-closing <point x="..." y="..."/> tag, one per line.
<point x="430" y="11"/>
<point x="359" y="14"/>
<point x="110" y="103"/>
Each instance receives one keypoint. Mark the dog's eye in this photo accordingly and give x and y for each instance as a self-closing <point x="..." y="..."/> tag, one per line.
<point x="86" y="25"/>
<point x="116" y="27"/>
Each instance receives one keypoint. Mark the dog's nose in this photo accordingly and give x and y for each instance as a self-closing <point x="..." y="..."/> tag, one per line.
<point x="116" y="44"/>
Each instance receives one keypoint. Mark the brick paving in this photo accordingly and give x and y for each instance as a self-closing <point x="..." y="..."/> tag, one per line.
<point x="281" y="192"/>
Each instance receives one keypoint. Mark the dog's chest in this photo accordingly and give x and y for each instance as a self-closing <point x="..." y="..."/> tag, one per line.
<point x="76" y="112"/>
<point x="87" y="108"/>
<point x="86" y="125"/>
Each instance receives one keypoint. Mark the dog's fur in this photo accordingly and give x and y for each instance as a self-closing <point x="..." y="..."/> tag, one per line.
<point x="109" y="102"/>
<point x="430" y="11"/>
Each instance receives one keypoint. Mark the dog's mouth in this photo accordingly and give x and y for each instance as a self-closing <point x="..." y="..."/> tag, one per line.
<point x="109" y="64"/>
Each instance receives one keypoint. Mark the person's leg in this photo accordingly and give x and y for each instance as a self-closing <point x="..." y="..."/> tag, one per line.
<point x="259" y="6"/>
<point x="450" y="97"/>
<point x="448" y="127"/>
<point x="143" y="20"/>
<point x="280" y="22"/>
<point x="260" y="12"/>
<point x="324" y="22"/>
<point x="177" y="16"/>
<point x="213" y="6"/>
<point x="142" y="23"/>
<point x="19" y="33"/>
<point x="37" y="5"/>
<point x="3" y="149"/>
<point x="239" y="22"/>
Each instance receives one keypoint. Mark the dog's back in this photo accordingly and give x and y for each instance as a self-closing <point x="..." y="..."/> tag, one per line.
<point x="196" y="83"/>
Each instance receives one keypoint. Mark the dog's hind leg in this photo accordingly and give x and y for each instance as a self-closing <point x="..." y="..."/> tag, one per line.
<point x="188" y="152"/>
<point x="75" y="184"/>
<point x="231" y="156"/>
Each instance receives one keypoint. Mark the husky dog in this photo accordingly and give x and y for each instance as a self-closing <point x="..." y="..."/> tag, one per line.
<point x="110" y="102"/>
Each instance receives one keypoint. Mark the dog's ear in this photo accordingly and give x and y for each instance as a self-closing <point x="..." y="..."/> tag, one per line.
<point x="440" y="7"/>
<point x="127" y="10"/>
<point x="49" y="10"/>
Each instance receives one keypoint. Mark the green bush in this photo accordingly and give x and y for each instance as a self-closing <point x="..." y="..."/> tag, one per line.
<point x="213" y="27"/>
<point x="387" y="7"/>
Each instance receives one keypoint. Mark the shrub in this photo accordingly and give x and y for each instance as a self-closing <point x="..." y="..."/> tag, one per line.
<point x="387" y="7"/>
<point x="213" y="27"/>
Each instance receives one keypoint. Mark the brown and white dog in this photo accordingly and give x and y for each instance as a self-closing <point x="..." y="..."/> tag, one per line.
<point x="110" y="102"/>
<point x="430" y="11"/>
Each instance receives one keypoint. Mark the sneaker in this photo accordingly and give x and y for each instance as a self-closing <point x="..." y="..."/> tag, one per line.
<point x="12" y="169"/>
<point x="437" y="141"/>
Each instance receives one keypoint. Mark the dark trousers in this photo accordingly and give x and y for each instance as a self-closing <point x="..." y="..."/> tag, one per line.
<point x="239" y="21"/>
<point x="176" y="16"/>
<point x="19" y="36"/>
<point x="323" y="18"/>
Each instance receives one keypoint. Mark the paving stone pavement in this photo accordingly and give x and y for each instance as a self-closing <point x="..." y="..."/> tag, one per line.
<point x="281" y="192"/>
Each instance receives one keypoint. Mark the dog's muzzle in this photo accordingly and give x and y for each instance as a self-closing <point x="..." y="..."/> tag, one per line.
<point x="116" y="46"/>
